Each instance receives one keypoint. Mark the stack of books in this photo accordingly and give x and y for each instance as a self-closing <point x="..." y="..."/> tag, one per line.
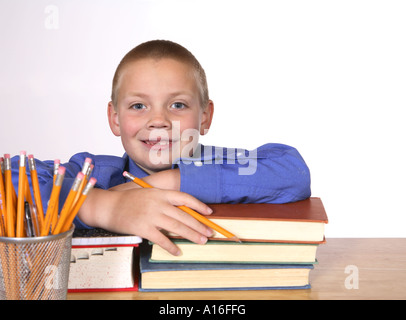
<point x="278" y="251"/>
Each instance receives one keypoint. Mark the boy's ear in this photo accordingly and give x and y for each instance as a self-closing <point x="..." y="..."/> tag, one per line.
<point x="207" y="117"/>
<point x="113" y="119"/>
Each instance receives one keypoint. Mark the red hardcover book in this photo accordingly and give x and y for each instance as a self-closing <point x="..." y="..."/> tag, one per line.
<point x="296" y="222"/>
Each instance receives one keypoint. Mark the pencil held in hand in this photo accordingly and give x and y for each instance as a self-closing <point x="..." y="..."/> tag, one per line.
<point x="193" y="213"/>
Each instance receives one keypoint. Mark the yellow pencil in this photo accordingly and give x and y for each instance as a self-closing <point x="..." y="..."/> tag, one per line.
<point x="10" y="227"/>
<point x="54" y="214"/>
<point x="85" y="171"/>
<point x="21" y="196"/>
<point x="68" y="221"/>
<point x="2" y="227"/>
<point x="3" y="210"/>
<point x="67" y="206"/>
<point x="193" y="213"/>
<point x="57" y="164"/>
<point x="51" y="210"/>
<point x="35" y="188"/>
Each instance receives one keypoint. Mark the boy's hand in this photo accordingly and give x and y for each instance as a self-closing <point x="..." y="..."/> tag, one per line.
<point x="145" y="212"/>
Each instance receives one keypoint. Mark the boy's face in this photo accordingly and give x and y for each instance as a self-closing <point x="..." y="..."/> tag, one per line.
<point x="158" y="113"/>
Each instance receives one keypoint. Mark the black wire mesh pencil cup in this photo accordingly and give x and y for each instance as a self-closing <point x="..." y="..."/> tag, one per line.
<point x="35" y="268"/>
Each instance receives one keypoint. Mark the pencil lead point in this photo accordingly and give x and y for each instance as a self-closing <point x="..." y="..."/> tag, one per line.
<point x="235" y="239"/>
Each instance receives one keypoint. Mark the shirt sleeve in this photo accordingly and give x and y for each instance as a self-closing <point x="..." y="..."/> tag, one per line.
<point x="272" y="173"/>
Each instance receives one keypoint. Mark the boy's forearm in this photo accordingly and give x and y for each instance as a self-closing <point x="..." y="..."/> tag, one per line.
<point x="167" y="179"/>
<point x="96" y="210"/>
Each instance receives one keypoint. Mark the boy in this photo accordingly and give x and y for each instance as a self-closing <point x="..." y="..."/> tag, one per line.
<point x="159" y="106"/>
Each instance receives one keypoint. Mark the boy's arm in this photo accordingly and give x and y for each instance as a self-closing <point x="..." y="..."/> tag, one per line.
<point x="273" y="173"/>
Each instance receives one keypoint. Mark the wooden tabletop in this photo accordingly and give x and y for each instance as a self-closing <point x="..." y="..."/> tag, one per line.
<point x="348" y="268"/>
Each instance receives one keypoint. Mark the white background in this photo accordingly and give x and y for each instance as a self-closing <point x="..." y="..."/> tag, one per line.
<point x="327" y="77"/>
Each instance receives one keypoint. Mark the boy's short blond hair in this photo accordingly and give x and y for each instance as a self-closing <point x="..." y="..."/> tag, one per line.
<point x="158" y="49"/>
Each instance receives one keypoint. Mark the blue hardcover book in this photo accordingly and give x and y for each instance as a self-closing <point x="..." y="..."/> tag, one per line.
<point x="219" y="276"/>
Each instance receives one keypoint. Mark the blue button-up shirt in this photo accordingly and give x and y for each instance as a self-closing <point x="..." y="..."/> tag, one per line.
<point x="272" y="173"/>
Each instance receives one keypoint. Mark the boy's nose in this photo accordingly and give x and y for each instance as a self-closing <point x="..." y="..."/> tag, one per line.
<point x="158" y="120"/>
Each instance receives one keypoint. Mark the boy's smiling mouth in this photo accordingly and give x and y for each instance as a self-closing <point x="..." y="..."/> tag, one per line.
<point x="161" y="143"/>
<point x="157" y="144"/>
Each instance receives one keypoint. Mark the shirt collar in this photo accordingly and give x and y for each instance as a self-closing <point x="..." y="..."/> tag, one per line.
<point x="133" y="168"/>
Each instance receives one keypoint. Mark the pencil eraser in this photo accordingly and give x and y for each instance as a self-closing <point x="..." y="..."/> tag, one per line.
<point x="30" y="156"/>
<point x="80" y="175"/>
<point x="57" y="161"/>
<point x="7" y="155"/>
<point x="92" y="181"/>
<point x="125" y="173"/>
<point x="88" y="160"/>
<point x="61" y="170"/>
<point x="23" y="153"/>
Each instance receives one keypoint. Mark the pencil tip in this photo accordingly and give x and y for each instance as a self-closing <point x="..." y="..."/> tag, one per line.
<point x="236" y="239"/>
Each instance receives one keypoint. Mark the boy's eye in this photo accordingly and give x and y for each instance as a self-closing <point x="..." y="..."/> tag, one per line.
<point x="138" y="106"/>
<point x="178" y="105"/>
